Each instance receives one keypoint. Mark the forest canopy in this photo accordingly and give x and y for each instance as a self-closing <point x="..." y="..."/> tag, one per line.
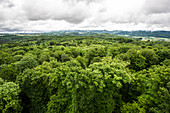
<point x="100" y="73"/>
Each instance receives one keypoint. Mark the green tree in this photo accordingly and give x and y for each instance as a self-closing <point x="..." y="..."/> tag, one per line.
<point x="26" y="62"/>
<point x="8" y="72"/>
<point x="150" y="56"/>
<point x="153" y="91"/>
<point x="163" y="54"/>
<point x="137" y="61"/>
<point x="4" y="58"/>
<point x="34" y="90"/>
<point x="44" y="56"/>
<point x="9" y="97"/>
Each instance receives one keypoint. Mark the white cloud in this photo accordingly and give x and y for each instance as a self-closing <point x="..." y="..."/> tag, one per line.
<point x="47" y="15"/>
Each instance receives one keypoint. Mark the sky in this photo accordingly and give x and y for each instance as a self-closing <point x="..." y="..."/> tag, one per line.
<point x="54" y="15"/>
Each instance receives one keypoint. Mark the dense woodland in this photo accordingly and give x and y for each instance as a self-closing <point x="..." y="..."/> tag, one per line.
<point x="100" y="73"/>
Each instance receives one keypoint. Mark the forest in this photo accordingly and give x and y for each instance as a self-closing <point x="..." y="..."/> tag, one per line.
<point x="100" y="73"/>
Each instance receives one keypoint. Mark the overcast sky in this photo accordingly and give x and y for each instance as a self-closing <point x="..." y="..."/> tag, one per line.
<point x="52" y="15"/>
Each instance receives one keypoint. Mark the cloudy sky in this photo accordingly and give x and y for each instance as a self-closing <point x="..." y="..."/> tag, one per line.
<point x="53" y="15"/>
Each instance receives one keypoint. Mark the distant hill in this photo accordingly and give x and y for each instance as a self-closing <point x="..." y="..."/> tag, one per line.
<point x="159" y="34"/>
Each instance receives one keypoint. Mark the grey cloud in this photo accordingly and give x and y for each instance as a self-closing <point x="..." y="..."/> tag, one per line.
<point x="7" y="3"/>
<point x="2" y="17"/>
<point x="156" y="6"/>
<point x="74" y="18"/>
<point x="87" y="1"/>
<point x="162" y="18"/>
<point x="10" y="25"/>
<point x="9" y="11"/>
<point x="9" y="30"/>
<point x="102" y="10"/>
<point x="60" y="10"/>
<point x="1" y="1"/>
<point x="153" y="13"/>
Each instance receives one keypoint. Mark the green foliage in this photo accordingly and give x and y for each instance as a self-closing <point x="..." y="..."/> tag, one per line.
<point x="113" y="51"/>
<point x="8" y="72"/>
<point x="4" y="58"/>
<point x="61" y="56"/>
<point x="34" y="90"/>
<point x="163" y="54"/>
<point x="17" y="58"/>
<point x="86" y="89"/>
<point x="99" y="73"/>
<point x="150" y="56"/>
<point x="26" y="62"/>
<point x="44" y="56"/>
<point x="9" y="97"/>
<point x="166" y="62"/>
<point x="153" y="86"/>
<point x="19" y="52"/>
<point x="94" y="54"/>
<point x="133" y="108"/>
<point x="137" y="61"/>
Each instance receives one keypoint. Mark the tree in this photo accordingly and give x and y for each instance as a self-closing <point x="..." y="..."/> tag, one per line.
<point x="26" y="62"/>
<point x="150" y="56"/>
<point x="4" y="58"/>
<point x="44" y="56"/>
<point x="34" y="92"/>
<point x="9" y="97"/>
<point x="94" y="89"/>
<point x="137" y="61"/>
<point x="8" y="72"/>
<point x="153" y="91"/>
<point x="163" y="54"/>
